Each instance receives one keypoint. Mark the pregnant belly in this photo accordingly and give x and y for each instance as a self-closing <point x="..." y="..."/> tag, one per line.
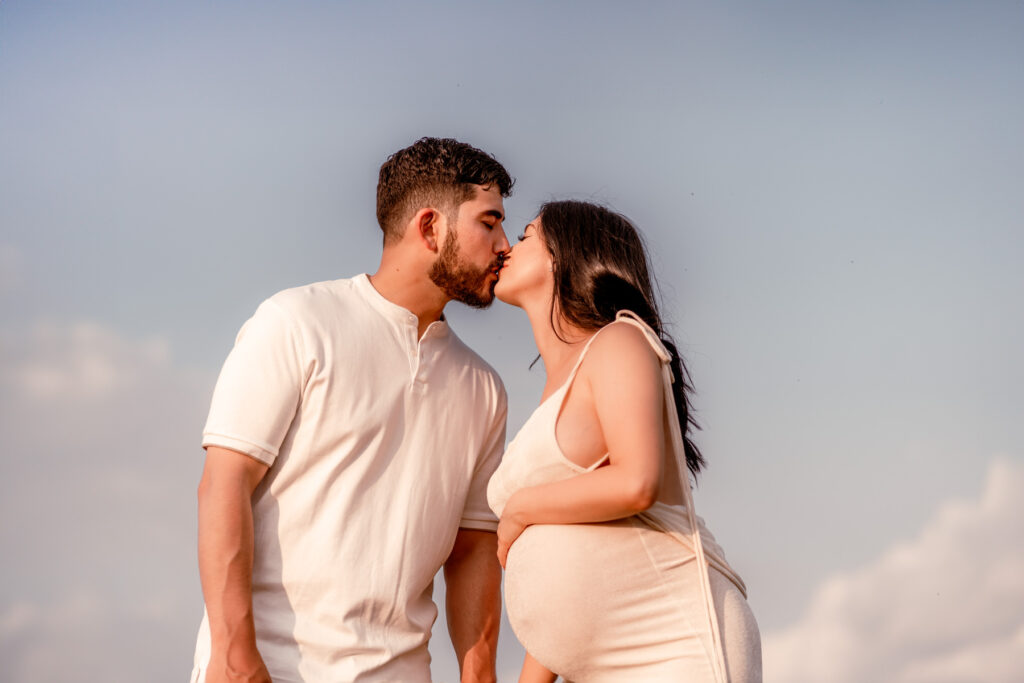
<point x="574" y="591"/>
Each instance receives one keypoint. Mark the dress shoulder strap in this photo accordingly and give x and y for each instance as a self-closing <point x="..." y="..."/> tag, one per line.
<point x="583" y="354"/>
<point x="637" y="322"/>
<point x="651" y="336"/>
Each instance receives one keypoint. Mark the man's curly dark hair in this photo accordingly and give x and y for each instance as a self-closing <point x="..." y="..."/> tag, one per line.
<point x="433" y="171"/>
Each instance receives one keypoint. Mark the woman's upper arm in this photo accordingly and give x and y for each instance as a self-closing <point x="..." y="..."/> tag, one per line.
<point x="625" y="378"/>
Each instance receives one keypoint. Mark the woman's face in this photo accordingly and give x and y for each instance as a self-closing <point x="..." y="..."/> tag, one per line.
<point x="526" y="274"/>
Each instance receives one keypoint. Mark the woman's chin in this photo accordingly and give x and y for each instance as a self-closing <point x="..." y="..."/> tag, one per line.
<point x="502" y="294"/>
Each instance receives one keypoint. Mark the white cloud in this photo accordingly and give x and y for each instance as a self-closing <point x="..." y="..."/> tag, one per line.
<point x="945" y="607"/>
<point x="80" y="360"/>
<point x="100" y="458"/>
<point x="84" y="393"/>
<point x="77" y="611"/>
<point x="85" y="636"/>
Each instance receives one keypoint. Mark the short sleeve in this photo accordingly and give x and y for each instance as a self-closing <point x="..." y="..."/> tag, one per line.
<point x="259" y="387"/>
<point x="478" y="514"/>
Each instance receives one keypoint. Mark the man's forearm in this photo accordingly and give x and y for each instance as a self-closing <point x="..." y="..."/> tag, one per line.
<point x="225" y="564"/>
<point x="225" y="561"/>
<point x="473" y="599"/>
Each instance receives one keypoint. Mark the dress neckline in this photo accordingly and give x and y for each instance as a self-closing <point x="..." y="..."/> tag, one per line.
<point x="575" y="368"/>
<point x="560" y="394"/>
<point x="624" y="316"/>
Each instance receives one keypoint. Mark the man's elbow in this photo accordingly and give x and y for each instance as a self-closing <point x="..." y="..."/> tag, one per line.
<point x="203" y="490"/>
<point x="212" y="485"/>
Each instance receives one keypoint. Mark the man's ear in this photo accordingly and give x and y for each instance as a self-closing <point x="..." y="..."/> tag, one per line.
<point x="426" y="223"/>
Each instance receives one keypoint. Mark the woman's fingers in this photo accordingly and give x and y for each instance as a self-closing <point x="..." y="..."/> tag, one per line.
<point x="502" y="553"/>
<point x="508" y="532"/>
<point x="503" y="547"/>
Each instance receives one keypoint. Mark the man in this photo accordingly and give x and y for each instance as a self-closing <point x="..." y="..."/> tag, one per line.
<point x="348" y="447"/>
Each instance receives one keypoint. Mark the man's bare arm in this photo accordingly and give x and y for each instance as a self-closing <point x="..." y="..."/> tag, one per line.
<point x="225" y="564"/>
<point x="472" y="577"/>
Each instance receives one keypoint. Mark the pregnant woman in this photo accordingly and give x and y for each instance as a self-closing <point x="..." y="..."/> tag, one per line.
<point x="610" y="575"/>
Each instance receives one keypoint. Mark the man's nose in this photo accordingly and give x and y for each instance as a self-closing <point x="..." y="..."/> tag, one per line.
<point x="502" y="247"/>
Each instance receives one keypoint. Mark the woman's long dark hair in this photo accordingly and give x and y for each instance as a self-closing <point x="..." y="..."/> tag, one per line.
<point x="600" y="268"/>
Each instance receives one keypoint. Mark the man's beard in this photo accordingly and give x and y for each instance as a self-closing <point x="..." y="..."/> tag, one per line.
<point x="461" y="281"/>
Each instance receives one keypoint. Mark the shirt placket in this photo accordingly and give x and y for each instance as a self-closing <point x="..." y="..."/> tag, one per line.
<point x="427" y="351"/>
<point x="413" y="347"/>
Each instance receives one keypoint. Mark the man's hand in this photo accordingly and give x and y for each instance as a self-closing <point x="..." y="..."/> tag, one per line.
<point x="237" y="667"/>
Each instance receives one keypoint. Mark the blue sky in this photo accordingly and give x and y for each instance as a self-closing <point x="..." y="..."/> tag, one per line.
<point x="832" y="197"/>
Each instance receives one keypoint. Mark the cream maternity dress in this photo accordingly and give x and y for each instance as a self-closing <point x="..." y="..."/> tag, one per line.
<point x="637" y="599"/>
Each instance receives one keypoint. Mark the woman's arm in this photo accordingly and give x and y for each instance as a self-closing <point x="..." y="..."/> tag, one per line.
<point x="625" y="381"/>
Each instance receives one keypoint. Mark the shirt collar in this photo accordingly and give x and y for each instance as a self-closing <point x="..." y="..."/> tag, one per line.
<point x="393" y="312"/>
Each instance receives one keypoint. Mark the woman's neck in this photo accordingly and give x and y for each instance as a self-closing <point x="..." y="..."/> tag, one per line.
<point x="560" y="350"/>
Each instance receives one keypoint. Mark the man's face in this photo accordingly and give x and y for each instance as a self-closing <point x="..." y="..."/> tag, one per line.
<point x="467" y="267"/>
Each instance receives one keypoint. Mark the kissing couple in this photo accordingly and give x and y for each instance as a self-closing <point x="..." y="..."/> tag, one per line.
<point x="355" y="446"/>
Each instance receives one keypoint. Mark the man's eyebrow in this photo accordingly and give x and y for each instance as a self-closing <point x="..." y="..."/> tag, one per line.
<point x="494" y="212"/>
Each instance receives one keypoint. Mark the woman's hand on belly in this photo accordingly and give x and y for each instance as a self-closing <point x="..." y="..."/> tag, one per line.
<point x="510" y="527"/>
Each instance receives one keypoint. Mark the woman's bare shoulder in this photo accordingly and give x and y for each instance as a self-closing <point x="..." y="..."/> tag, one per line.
<point x="619" y="351"/>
